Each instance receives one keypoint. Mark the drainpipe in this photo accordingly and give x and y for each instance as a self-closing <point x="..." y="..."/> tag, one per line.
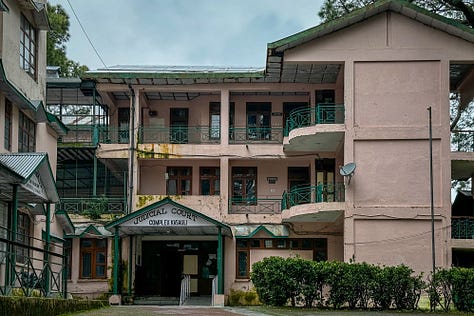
<point x="131" y="149"/>
<point x="220" y="265"/>
<point x="116" y="260"/>
<point x="48" y="243"/>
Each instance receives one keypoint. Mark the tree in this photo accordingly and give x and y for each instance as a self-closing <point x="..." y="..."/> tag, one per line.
<point x="58" y="36"/>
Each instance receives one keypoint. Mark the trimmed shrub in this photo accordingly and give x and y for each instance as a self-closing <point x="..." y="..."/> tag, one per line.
<point x="243" y="298"/>
<point x="32" y="306"/>
<point x="463" y="288"/>
<point x="272" y="282"/>
<point x="441" y="290"/>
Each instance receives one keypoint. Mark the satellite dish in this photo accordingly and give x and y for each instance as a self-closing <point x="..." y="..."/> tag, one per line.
<point x="347" y="171"/>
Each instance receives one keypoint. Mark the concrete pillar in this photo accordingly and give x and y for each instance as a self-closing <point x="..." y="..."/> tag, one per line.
<point x="225" y="109"/>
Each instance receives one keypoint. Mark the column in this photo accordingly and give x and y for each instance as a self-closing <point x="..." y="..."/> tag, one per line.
<point x="225" y="110"/>
<point x="220" y="263"/>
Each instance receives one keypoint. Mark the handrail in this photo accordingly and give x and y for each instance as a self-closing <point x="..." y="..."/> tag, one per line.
<point x="214" y="289"/>
<point x="185" y="289"/>
<point x="462" y="227"/>
<point x="201" y="134"/>
<point x="323" y="113"/>
<point x="255" y="205"/>
<point x="313" y="194"/>
<point x="248" y="134"/>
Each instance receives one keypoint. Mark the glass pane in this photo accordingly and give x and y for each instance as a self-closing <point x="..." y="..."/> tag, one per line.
<point x="255" y="243"/>
<point x="86" y="265"/>
<point x="205" y="187"/>
<point x="100" y="257"/>
<point x="217" y="187"/>
<point x="281" y="243"/>
<point x="241" y="243"/>
<point x="86" y="243"/>
<point x="172" y="187"/>
<point x="268" y="243"/>
<point x="242" y="263"/>
<point x="100" y="271"/>
<point x="101" y="243"/>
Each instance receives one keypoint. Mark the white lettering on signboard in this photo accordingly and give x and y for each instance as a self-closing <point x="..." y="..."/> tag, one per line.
<point x="167" y="215"/>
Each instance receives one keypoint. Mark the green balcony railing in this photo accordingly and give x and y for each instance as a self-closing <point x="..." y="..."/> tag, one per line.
<point x="321" y="114"/>
<point x="98" y="205"/>
<point x="179" y="135"/>
<point x="255" y="205"/>
<point x="462" y="140"/>
<point x="113" y="135"/>
<point x="462" y="227"/>
<point x="239" y="135"/>
<point x="313" y="194"/>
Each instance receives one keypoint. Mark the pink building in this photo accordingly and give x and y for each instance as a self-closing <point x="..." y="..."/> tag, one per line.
<point x="226" y="166"/>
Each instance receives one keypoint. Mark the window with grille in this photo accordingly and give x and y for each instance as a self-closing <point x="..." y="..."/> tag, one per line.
<point x="26" y="134"/>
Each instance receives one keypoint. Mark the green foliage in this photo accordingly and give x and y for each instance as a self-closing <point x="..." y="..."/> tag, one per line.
<point x="28" y="306"/>
<point x="96" y="207"/>
<point x="462" y="280"/>
<point x="56" y="43"/>
<point x="272" y="282"/>
<point x="440" y="289"/>
<point x="353" y="285"/>
<point x="243" y="298"/>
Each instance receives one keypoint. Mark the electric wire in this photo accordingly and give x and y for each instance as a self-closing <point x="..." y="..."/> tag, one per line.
<point x="87" y="36"/>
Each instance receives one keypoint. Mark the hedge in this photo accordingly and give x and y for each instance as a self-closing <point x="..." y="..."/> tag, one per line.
<point x="455" y="285"/>
<point x="279" y="281"/>
<point x="35" y="306"/>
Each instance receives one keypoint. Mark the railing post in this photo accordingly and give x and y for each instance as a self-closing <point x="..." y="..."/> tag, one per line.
<point x="116" y="261"/>
<point x="65" y="272"/>
<point x="47" y="247"/>
<point x="220" y="265"/>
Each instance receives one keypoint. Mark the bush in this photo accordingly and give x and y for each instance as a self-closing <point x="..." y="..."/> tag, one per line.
<point x="440" y="289"/>
<point x="463" y="288"/>
<point x="355" y="285"/>
<point x="243" y="298"/>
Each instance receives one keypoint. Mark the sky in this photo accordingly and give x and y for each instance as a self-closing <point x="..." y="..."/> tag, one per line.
<point x="183" y="32"/>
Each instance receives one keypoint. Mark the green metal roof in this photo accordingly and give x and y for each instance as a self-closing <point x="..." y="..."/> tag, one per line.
<point x="57" y="124"/>
<point x="32" y="172"/>
<point x="3" y="6"/>
<point x="65" y="222"/>
<point x="399" y="6"/>
<point x="248" y="231"/>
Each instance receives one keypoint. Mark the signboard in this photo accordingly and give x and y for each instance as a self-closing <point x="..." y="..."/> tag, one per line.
<point x="167" y="216"/>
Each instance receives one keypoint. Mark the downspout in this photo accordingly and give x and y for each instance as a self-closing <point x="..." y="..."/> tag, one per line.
<point x="47" y="246"/>
<point x="116" y="261"/>
<point x="220" y="262"/>
<point x="131" y="149"/>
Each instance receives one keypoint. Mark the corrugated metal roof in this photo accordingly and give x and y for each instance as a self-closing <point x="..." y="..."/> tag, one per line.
<point x="23" y="164"/>
<point x="164" y="69"/>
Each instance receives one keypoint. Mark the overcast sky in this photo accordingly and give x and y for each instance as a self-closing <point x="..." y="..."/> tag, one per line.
<point x="183" y="32"/>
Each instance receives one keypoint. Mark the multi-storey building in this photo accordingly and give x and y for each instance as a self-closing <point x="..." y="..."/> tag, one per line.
<point x="31" y="255"/>
<point x="324" y="154"/>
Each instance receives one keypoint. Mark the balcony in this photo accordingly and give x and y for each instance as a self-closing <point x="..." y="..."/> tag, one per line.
<point x="113" y="135"/>
<point x="179" y="135"/>
<point x="462" y="227"/>
<point x="321" y="203"/>
<point x="255" y="205"/>
<point x="315" y="129"/>
<point x="93" y="206"/>
<point x="245" y="135"/>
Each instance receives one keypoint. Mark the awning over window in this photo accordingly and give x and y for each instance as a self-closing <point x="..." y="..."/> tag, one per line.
<point x="32" y="173"/>
<point x="248" y="231"/>
<point x="168" y="218"/>
<point x="89" y="231"/>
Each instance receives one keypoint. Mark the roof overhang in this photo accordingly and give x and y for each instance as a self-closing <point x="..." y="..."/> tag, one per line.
<point x="31" y="172"/>
<point x="89" y="231"/>
<point x="168" y="218"/>
<point x="39" y="12"/>
<point x="65" y="221"/>
<point x="274" y="230"/>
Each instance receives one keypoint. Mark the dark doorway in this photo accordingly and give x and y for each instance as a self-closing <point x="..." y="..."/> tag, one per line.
<point x="160" y="272"/>
<point x="179" y="125"/>
<point x="163" y="265"/>
<point x="123" y="125"/>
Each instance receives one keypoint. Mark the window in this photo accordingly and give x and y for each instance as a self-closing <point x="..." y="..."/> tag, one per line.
<point x="8" y="125"/>
<point x="27" y="47"/>
<point x="23" y="237"/>
<point x="26" y="134"/>
<point x="93" y="258"/>
<point x="209" y="178"/>
<point x="244" y="185"/>
<point x="214" y="120"/>
<point x="319" y="246"/>
<point x="258" y="121"/>
<point x="179" y="181"/>
<point x="243" y="256"/>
